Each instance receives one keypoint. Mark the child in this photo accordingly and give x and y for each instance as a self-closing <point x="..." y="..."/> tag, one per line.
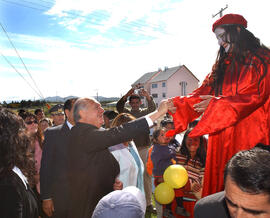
<point x="163" y="155"/>
<point x="192" y="156"/>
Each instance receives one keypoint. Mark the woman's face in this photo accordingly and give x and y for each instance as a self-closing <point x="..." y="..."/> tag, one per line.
<point x="192" y="144"/>
<point x="31" y="125"/>
<point x="163" y="139"/>
<point x="221" y="37"/>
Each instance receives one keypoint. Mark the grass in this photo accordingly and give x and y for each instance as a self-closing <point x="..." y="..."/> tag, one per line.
<point x="150" y="215"/>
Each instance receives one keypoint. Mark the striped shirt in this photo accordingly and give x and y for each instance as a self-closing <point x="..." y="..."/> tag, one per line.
<point x="194" y="169"/>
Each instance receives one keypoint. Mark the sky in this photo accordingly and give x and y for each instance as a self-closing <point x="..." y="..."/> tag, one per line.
<point x="85" y="47"/>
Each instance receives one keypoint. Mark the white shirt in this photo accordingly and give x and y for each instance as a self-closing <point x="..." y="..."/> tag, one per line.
<point x="149" y="121"/>
<point x="69" y="125"/>
<point x="128" y="167"/>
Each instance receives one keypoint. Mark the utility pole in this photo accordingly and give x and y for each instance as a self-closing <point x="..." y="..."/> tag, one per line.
<point x="220" y="12"/>
<point x="97" y="93"/>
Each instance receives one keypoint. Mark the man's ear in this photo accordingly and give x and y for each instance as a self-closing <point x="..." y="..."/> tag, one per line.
<point x="82" y="114"/>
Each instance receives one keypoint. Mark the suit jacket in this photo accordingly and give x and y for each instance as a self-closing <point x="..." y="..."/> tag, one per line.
<point x="92" y="168"/>
<point x="16" y="200"/>
<point x="53" y="171"/>
<point x="212" y="206"/>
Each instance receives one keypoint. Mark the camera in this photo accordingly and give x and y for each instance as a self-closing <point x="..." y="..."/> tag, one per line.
<point x="137" y="91"/>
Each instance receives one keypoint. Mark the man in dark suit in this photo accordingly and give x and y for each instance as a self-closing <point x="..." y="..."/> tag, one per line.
<point x="247" y="188"/>
<point x="92" y="168"/>
<point x="53" y="172"/>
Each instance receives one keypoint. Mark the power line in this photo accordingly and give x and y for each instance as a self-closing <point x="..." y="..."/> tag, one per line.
<point x="15" y="3"/>
<point x="124" y="26"/>
<point x="21" y="59"/>
<point x="20" y="75"/>
<point x="135" y="23"/>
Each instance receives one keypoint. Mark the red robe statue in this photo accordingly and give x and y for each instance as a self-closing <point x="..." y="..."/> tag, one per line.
<point x="237" y="120"/>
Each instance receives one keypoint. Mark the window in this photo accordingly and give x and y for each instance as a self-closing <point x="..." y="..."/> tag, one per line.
<point x="183" y="85"/>
<point x="154" y="85"/>
<point x="154" y="95"/>
<point x="163" y="84"/>
<point x="164" y="95"/>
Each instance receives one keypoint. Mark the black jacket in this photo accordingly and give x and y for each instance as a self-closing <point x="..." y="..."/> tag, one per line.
<point x="53" y="171"/>
<point x="92" y="168"/>
<point x="212" y="206"/>
<point x="16" y="201"/>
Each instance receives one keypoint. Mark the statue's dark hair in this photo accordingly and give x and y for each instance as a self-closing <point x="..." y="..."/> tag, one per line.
<point x="245" y="47"/>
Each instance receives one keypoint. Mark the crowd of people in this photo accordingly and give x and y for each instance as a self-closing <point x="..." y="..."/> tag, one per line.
<point x="86" y="162"/>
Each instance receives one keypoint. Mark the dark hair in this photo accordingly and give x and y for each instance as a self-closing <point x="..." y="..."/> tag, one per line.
<point x="14" y="146"/>
<point x="39" y="135"/>
<point x="134" y="97"/>
<point x="121" y="119"/>
<point x="68" y="104"/>
<point x="263" y="146"/>
<point x="250" y="170"/>
<point x="110" y="114"/>
<point x="200" y="154"/>
<point x="21" y="113"/>
<point x="37" y="111"/>
<point x="165" y="122"/>
<point x="245" y="43"/>
<point x="29" y="114"/>
<point x="46" y="120"/>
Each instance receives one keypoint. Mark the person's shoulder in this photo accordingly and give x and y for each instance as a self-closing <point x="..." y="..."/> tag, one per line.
<point x="212" y="199"/>
<point x="12" y="185"/>
<point x="84" y="129"/>
<point x="159" y="149"/>
<point x="54" y="128"/>
<point x="56" y="131"/>
<point x="211" y="205"/>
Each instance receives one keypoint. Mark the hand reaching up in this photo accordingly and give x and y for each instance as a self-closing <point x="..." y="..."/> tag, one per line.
<point x="171" y="106"/>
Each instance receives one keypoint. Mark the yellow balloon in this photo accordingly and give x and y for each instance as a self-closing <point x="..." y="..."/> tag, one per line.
<point x="175" y="176"/>
<point x="164" y="194"/>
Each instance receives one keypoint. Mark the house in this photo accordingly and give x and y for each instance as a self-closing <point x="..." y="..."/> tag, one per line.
<point x="171" y="82"/>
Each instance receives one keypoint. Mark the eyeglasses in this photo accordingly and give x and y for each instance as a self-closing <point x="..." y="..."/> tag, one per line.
<point x="30" y="122"/>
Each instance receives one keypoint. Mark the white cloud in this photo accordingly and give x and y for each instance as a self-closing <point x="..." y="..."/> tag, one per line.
<point x="82" y="69"/>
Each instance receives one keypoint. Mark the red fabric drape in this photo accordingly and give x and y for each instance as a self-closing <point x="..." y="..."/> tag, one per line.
<point x="237" y="120"/>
